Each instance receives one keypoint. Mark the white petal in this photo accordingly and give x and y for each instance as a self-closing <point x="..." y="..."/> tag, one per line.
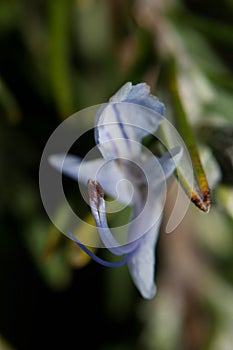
<point x="108" y="174"/>
<point x="122" y="93"/>
<point x="133" y="112"/>
<point x="139" y="94"/>
<point x="121" y="127"/>
<point x="145" y="225"/>
<point x="75" y="168"/>
<point x="142" y="263"/>
<point x="158" y="170"/>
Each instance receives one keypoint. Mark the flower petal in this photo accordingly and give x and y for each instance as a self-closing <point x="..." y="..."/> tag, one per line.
<point x="131" y="114"/>
<point x="142" y="263"/>
<point x="108" y="174"/>
<point x="139" y="94"/>
<point x="97" y="204"/>
<point x="74" y="167"/>
<point x="122" y="126"/>
<point x="148" y="218"/>
<point x="168" y="163"/>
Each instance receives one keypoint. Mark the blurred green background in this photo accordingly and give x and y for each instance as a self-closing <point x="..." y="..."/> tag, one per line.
<point x="58" y="57"/>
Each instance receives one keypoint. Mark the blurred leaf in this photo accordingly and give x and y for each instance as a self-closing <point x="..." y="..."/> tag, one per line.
<point x="8" y="104"/>
<point x="94" y="44"/>
<point x="59" y="68"/>
<point x="9" y="11"/>
<point x="224" y="196"/>
<point x="4" y="345"/>
<point x="54" y="268"/>
<point x="119" y="304"/>
<point x="200" y="193"/>
<point x="166" y="309"/>
<point x="215" y="234"/>
<point x="77" y="257"/>
<point x="223" y="104"/>
<point x="219" y="137"/>
<point x="220" y="296"/>
<point x="211" y="166"/>
<point x="214" y="29"/>
<point x="207" y="80"/>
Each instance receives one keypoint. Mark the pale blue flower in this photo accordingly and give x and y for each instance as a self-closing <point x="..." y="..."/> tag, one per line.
<point x="131" y="114"/>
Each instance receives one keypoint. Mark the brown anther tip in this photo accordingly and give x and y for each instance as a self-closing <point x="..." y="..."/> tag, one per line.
<point x="99" y="189"/>
<point x="95" y="190"/>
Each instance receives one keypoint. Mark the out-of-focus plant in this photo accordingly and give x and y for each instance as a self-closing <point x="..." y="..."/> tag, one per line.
<point x="60" y="56"/>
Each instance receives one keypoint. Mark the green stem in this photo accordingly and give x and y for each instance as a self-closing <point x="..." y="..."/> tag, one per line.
<point x="201" y="194"/>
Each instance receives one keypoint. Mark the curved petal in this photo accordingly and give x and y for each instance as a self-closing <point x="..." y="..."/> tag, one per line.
<point x="131" y="114"/>
<point x="95" y="257"/>
<point x="108" y="174"/>
<point x="142" y="263"/>
<point x="145" y="226"/>
<point x="97" y="204"/>
<point x="146" y="222"/>
<point x="139" y="94"/>
<point x="122" y="126"/>
<point x="168" y="163"/>
<point x="74" y="167"/>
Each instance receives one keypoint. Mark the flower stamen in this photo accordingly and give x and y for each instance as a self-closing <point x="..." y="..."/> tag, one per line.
<point x="97" y="204"/>
<point x="95" y="257"/>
